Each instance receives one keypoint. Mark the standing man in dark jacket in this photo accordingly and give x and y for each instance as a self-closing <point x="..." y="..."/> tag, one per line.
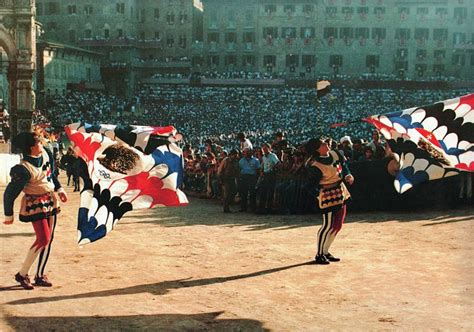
<point x="228" y="173"/>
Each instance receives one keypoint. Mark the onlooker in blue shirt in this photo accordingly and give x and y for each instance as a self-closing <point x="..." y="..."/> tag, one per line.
<point x="267" y="189"/>
<point x="249" y="167"/>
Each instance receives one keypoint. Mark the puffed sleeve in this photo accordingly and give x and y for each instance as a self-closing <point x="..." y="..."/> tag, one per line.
<point x="19" y="178"/>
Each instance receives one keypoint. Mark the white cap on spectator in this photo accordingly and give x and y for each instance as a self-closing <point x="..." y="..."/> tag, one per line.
<point x="345" y="139"/>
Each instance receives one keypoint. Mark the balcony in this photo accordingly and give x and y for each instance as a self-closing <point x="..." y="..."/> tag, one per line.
<point x="121" y="42"/>
<point x="161" y="63"/>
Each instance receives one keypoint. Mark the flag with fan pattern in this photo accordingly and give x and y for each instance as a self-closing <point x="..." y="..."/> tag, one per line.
<point x="430" y="142"/>
<point x="125" y="168"/>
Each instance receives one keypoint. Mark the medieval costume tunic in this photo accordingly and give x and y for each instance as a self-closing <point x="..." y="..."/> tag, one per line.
<point x="328" y="172"/>
<point x="39" y="205"/>
<point x="35" y="177"/>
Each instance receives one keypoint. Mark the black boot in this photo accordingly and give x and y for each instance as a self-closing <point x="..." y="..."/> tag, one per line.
<point x="331" y="258"/>
<point x="321" y="260"/>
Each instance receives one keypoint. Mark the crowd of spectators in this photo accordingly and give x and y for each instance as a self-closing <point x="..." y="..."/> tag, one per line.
<point x="212" y="119"/>
<point x="248" y="75"/>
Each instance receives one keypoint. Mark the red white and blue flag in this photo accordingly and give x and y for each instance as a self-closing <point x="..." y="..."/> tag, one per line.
<point x="430" y="142"/>
<point x="128" y="168"/>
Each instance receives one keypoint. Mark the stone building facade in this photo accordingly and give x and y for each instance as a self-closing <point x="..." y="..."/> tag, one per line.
<point x="18" y="32"/>
<point x="298" y="38"/>
<point x="59" y="66"/>
<point x="145" y="36"/>
<point x="307" y="38"/>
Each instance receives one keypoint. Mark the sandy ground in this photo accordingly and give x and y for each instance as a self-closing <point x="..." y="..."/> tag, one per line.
<point x="196" y="268"/>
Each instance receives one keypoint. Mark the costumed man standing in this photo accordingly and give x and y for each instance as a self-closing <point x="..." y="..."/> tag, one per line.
<point x="328" y="171"/>
<point x="34" y="176"/>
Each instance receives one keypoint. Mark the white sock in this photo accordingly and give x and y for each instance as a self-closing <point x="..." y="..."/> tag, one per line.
<point x="30" y="258"/>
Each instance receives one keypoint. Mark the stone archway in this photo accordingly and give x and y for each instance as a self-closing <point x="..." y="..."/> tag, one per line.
<point x="18" y="39"/>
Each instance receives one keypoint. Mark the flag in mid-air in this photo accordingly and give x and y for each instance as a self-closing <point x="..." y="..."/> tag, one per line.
<point x="128" y="168"/>
<point x="430" y="142"/>
<point x="323" y="88"/>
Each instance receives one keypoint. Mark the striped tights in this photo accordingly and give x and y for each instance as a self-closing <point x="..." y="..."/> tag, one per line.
<point x="332" y="224"/>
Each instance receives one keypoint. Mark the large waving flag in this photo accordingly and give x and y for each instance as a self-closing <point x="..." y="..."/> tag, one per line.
<point x="430" y="142"/>
<point x="132" y="167"/>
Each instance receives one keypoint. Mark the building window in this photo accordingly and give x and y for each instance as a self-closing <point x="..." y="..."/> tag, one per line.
<point x="439" y="55"/>
<point x="183" y="17"/>
<point x="88" y="10"/>
<point x="330" y="33"/>
<point x="307" y="32"/>
<point x="289" y="9"/>
<point x="106" y="33"/>
<point x="421" y="35"/>
<point x="458" y="59"/>
<point x="230" y="37"/>
<point x="157" y="14"/>
<point x="403" y="12"/>
<point x="170" y="18"/>
<point x="402" y="35"/>
<point x="379" y="33"/>
<point x="248" y="60"/>
<point x="363" y="12"/>
<point x="372" y="61"/>
<point x="460" y="14"/>
<point x="459" y="38"/>
<point x="213" y="37"/>
<point x="331" y="11"/>
<point x="347" y="12"/>
<point x="347" y="34"/>
<point x="335" y="60"/>
<point x="422" y="12"/>
<point x="289" y="32"/>
<point x="402" y="53"/>
<point x="362" y="33"/>
<point x="71" y="9"/>
<point x="88" y="33"/>
<point x="120" y="8"/>
<point x="249" y="37"/>
<point x="270" y="10"/>
<point x="270" y="32"/>
<point x="39" y="8"/>
<point x="119" y="33"/>
<point x="182" y="41"/>
<point x="421" y="54"/>
<point x="308" y="9"/>
<point x="142" y="35"/>
<point x="269" y="60"/>
<point x="441" y="12"/>
<point x="157" y="35"/>
<point x="230" y="60"/>
<point x="292" y="61"/>
<point x="379" y="12"/>
<point x="213" y="60"/>
<point x="308" y="60"/>
<point x="170" y="41"/>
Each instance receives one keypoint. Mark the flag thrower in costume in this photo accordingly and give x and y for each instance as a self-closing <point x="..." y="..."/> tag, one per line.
<point x="128" y="168"/>
<point x="430" y="142"/>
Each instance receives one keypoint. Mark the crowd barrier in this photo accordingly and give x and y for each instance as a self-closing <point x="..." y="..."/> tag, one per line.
<point x="7" y="162"/>
<point x="372" y="190"/>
